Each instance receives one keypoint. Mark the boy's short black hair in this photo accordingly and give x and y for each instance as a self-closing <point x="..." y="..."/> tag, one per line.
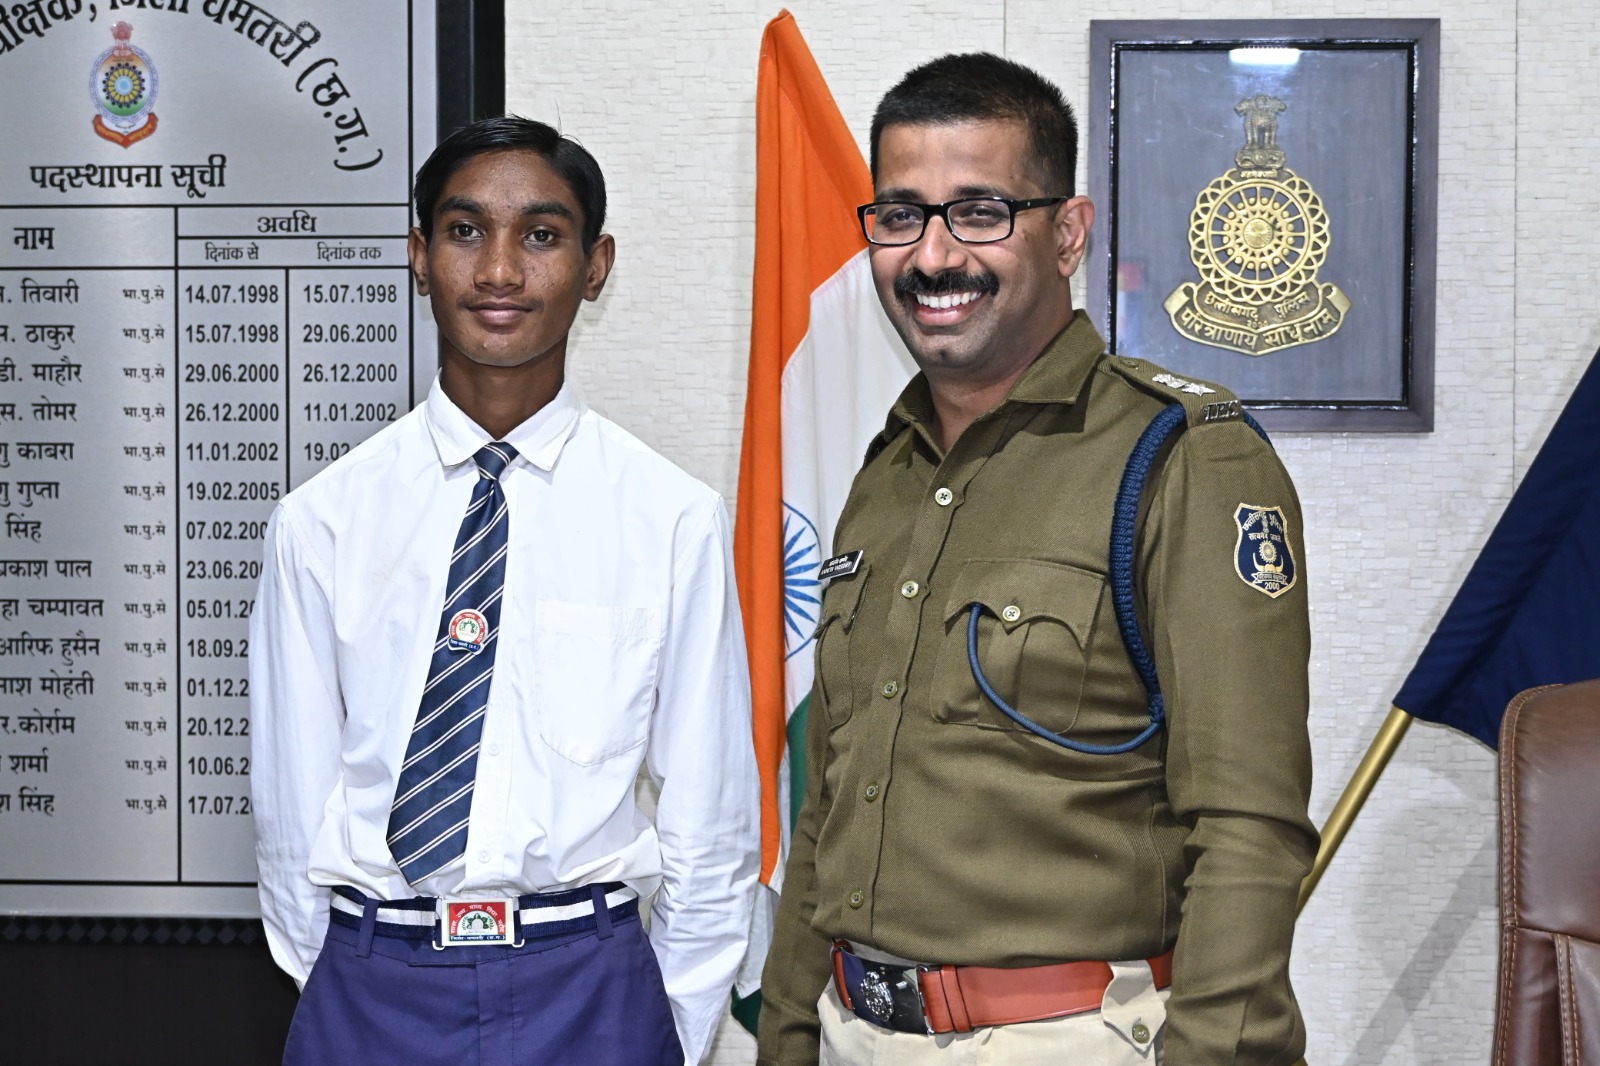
<point x="981" y="85"/>
<point x="508" y="132"/>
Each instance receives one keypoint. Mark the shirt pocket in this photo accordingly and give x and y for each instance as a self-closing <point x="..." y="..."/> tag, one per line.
<point x="1034" y="628"/>
<point x="833" y="660"/>
<point x="594" y="678"/>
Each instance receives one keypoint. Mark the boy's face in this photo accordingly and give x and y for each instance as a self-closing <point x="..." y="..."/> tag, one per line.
<point x="506" y="270"/>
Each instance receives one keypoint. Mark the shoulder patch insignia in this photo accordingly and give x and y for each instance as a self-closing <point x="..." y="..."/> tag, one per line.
<point x="1173" y="381"/>
<point x="1262" y="556"/>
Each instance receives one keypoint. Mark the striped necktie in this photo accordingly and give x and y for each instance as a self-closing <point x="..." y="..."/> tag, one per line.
<point x="428" y="822"/>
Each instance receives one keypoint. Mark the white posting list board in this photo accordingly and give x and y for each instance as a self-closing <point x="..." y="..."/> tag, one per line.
<point x="203" y="300"/>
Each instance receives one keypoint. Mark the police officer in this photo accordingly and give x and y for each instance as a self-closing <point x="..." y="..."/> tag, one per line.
<point x="1056" y="807"/>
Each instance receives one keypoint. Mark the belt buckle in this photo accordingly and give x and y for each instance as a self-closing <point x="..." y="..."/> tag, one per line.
<point x="876" y="995"/>
<point x="880" y="997"/>
<point x="475" y="923"/>
<point x="915" y="976"/>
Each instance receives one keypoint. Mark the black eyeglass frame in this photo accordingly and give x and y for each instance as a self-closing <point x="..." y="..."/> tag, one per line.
<point x="932" y="211"/>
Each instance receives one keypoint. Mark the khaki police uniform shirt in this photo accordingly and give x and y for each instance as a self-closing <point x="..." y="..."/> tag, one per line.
<point x="936" y="829"/>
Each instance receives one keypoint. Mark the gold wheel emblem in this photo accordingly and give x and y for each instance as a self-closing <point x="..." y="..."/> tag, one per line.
<point x="1258" y="236"/>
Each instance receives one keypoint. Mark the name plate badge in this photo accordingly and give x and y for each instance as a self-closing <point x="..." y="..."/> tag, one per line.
<point x="477" y="923"/>
<point x="840" y="565"/>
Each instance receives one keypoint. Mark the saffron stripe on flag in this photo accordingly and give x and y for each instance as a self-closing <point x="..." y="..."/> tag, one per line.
<point x="825" y="366"/>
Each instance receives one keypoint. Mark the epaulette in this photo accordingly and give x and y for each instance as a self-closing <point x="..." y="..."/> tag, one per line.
<point x="876" y="446"/>
<point x="1204" y="402"/>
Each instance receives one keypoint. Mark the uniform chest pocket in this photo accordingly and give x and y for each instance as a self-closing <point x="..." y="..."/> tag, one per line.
<point x="833" y="662"/>
<point x="1033" y="639"/>
<point x="594" y="677"/>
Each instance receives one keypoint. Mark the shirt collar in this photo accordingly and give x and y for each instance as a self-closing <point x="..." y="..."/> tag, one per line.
<point x="1057" y="376"/>
<point x="538" y="440"/>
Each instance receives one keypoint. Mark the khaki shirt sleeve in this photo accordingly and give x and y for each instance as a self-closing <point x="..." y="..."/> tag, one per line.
<point x="1231" y="650"/>
<point x="799" y="962"/>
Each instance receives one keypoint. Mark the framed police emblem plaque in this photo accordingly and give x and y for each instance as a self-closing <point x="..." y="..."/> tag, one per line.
<point x="1266" y="196"/>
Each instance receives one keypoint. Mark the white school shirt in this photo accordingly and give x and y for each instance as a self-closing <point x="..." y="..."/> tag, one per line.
<point x="620" y="646"/>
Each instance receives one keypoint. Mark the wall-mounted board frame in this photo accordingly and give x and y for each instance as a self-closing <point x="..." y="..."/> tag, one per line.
<point x="204" y="298"/>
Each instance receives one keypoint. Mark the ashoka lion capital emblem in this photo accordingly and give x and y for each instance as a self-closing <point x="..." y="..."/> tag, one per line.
<point x="1258" y="235"/>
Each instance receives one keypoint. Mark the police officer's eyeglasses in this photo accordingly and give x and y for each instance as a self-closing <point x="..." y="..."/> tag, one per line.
<point x="975" y="220"/>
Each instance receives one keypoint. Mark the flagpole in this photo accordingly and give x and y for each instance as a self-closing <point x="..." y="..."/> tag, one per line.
<point x="1379" y="752"/>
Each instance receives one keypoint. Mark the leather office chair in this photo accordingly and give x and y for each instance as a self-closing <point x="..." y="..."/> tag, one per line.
<point x="1548" y="1012"/>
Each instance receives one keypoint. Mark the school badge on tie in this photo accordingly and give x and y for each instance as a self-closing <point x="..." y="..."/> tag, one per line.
<point x="122" y="87"/>
<point x="1258" y="236"/>
<point x="1262" y="556"/>
<point x="468" y="630"/>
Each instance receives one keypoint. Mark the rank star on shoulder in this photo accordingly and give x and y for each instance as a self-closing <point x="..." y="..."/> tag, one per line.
<point x="1172" y="381"/>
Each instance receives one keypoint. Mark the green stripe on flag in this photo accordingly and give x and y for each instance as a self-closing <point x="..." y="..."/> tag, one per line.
<point x="747" y="1009"/>
<point x="795" y="734"/>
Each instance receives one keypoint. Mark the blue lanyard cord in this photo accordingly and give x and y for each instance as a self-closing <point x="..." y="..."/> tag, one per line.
<point x="1124" y="532"/>
<point x="1028" y="723"/>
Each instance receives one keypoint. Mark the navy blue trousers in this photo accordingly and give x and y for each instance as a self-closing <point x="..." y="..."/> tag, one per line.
<point x="579" y="998"/>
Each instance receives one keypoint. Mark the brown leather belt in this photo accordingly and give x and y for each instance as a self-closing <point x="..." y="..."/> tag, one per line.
<point x="959" y="999"/>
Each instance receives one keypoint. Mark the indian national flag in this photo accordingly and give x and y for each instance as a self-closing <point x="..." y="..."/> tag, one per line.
<point x="825" y="366"/>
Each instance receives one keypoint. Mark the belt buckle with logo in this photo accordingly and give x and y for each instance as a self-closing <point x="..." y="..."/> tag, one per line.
<point x="476" y="923"/>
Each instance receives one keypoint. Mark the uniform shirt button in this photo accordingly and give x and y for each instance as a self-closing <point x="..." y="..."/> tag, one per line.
<point x="1141" y="1033"/>
<point x="890" y="688"/>
<point x="943" y="497"/>
<point x="1011" y="612"/>
<point x="872" y="792"/>
<point x="857" y="898"/>
<point x="910" y="589"/>
<point x="494" y="749"/>
<point x="483" y="856"/>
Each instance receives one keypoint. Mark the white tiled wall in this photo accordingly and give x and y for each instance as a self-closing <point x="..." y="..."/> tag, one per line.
<point x="1395" y="957"/>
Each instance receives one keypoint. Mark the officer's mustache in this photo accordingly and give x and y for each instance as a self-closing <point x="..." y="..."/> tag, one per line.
<point x="915" y="283"/>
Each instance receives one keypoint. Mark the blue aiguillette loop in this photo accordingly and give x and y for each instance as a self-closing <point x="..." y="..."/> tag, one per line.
<point x="1124" y="532"/>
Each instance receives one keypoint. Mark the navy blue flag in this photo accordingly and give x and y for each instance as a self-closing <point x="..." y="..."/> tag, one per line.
<point x="1529" y="611"/>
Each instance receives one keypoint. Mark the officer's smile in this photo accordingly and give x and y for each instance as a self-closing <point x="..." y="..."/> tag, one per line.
<point x="948" y="301"/>
<point x="945" y="298"/>
<point x="945" y="310"/>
